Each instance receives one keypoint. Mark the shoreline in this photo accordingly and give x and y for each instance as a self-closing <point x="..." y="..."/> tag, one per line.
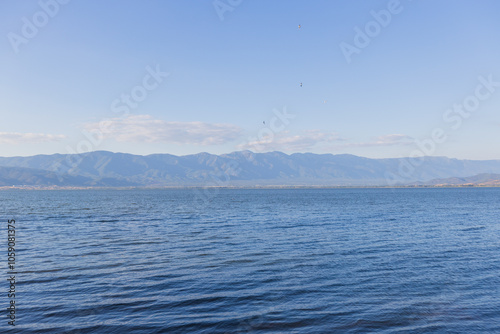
<point x="6" y="188"/>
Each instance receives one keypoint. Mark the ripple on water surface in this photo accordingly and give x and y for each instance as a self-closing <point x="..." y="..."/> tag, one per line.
<point x="257" y="261"/>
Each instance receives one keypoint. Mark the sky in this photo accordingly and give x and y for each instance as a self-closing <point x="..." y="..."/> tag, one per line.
<point x="378" y="79"/>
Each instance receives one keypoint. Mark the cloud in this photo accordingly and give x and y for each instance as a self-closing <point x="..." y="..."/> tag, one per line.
<point x="28" y="138"/>
<point x="394" y="139"/>
<point x="285" y="142"/>
<point x="145" y="129"/>
<point x="385" y="140"/>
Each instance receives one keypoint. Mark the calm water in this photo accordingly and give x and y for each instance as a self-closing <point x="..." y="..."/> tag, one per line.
<point x="255" y="261"/>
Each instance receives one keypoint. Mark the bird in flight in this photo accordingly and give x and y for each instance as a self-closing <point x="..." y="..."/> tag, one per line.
<point x="299" y="26"/>
<point x="301" y="84"/>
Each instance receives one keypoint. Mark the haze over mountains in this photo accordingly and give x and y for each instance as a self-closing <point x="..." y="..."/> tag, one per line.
<point x="244" y="168"/>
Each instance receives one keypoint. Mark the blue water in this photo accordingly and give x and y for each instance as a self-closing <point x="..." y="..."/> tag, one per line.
<point x="255" y="261"/>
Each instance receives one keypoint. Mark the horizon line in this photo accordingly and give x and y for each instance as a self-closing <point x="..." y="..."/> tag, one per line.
<point x="222" y="154"/>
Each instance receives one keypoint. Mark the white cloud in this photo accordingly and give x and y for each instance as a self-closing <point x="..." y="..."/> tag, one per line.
<point x="394" y="139"/>
<point x="28" y="138"/>
<point x="145" y="129"/>
<point x="385" y="140"/>
<point x="285" y="142"/>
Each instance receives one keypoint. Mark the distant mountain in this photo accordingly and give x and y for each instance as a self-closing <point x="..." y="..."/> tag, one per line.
<point x="20" y="176"/>
<point x="11" y="176"/>
<point x="244" y="168"/>
<point x="484" y="179"/>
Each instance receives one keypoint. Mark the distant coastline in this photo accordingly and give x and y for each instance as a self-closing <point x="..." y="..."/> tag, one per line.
<point x="243" y="169"/>
<point x="3" y="188"/>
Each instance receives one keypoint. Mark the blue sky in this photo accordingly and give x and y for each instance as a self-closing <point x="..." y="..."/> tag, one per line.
<point x="219" y="76"/>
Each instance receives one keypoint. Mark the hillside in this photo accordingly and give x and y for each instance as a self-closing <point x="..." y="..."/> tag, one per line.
<point x="242" y="168"/>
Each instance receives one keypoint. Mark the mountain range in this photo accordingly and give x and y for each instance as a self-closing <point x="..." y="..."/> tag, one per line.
<point x="483" y="180"/>
<point x="243" y="168"/>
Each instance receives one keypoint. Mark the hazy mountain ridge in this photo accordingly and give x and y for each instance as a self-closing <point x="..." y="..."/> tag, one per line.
<point x="21" y="176"/>
<point x="243" y="168"/>
<point x="485" y="179"/>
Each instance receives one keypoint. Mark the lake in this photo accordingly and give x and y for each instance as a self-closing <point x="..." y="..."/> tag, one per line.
<point x="254" y="260"/>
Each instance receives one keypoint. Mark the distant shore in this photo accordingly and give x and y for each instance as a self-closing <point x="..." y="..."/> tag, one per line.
<point x="246" y="187"/>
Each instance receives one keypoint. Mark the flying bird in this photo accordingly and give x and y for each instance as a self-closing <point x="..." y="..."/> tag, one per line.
<point x="301" y="84"/>
<point x="299" y="26"/>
